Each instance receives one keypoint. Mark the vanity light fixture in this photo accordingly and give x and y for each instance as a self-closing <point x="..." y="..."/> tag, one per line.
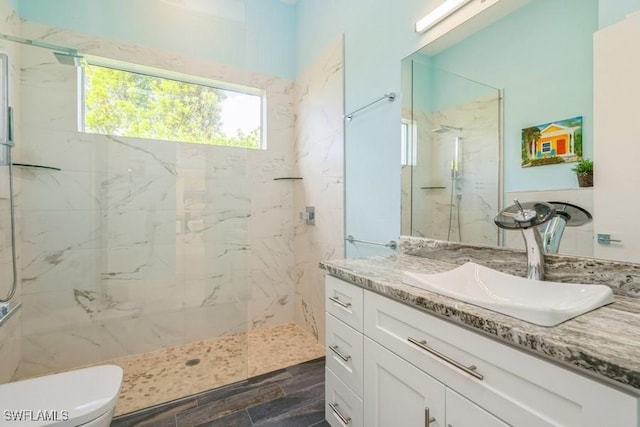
<point x="438" y="14"/>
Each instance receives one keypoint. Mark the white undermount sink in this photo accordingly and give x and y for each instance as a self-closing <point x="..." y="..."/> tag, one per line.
<point x="539" y="302"/>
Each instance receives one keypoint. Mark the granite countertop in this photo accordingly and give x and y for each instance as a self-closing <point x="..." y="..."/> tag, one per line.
<point x="604" y="343"/>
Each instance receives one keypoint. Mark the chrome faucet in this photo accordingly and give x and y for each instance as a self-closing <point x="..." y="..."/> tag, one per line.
<point x="526" y="217"/>
<point x="567" y="215"/>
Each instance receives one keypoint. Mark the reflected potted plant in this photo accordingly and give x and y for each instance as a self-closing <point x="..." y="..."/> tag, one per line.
<point x="584" y="172"/>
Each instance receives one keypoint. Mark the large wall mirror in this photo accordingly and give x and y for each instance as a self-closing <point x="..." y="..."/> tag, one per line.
<point x="464" y="109"/>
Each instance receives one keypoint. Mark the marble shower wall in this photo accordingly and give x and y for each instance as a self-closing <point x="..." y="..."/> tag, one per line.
<point x="10" y="330"/>
<point x="475" y="196"/>
<point x="139" y="244"/>
<point x="320" y="162"/>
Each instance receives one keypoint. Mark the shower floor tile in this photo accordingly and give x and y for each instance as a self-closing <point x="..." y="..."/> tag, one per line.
<point x="175" y="372"/>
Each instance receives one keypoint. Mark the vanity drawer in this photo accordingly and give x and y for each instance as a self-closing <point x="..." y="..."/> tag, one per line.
<point x="344" y="353"/>
<point x="342" y="406"/>
<point x="345" y="301"/>
<point x="512" y="384"/>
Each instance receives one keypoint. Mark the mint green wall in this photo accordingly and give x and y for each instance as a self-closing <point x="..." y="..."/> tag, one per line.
<point x="257" y="35"/>
<point x="435" y="89"/>
<point x="612" y="11"/>
<point x="542" y="57"/>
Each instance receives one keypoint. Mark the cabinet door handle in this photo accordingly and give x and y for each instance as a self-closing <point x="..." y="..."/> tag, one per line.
<point x="340" y="303"/>
<point x="471" y="370"/>
<point x="334" y="408"/>
<point x="337" y="351"/>
<point x="427" y="418"/>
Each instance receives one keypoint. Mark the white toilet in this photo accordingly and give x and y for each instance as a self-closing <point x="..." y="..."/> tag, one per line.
<point x="83" y="397"/>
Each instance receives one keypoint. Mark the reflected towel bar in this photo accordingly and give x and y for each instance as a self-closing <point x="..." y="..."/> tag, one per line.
<point x="390" y="96"/>
<point x="393" y="245"/>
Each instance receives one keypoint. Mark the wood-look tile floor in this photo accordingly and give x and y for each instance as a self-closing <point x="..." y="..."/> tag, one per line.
<point x="172" y="373"/>
<point x="289" y="397"/>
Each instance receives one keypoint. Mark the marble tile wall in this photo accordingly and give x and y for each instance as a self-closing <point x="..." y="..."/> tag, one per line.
<point x="577" y="241"/>
<point x="137" y="244"/>
<point x="320" y="162"/>
<point x="10" y="331"/>
<point x="478" y="201"/>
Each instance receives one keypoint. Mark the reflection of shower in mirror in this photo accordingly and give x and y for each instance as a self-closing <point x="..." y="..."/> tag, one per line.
<point x="446" y="128"/>
<point x="456" y="172"/>
<point x="455" y="164"/>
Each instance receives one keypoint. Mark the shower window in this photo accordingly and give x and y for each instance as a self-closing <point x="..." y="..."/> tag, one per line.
<point x="175" y="107"/>
<point x="408" y="149"/>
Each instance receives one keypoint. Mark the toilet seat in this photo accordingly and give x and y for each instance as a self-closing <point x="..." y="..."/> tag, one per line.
<point x="70" y="398"/>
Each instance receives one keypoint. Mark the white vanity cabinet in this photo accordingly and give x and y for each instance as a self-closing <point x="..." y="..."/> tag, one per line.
<point x="413" y="367"/>
<point x="462" y="412"/>
<point x="344" y="353"/>
<point x="403" y="395"/>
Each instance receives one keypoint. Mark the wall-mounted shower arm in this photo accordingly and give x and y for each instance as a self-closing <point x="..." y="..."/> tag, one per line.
<point x="446" y="128"/>
<point x="37" y="43"/>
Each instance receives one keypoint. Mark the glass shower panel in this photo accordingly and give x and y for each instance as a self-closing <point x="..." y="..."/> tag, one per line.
<point x="455" y="179"/>
<point x="213" y="229"/>
<point x="9" y="314"/>
<point x="60" y="219"/>
<point x="129" y="245"/>
<point x="174" y="217"/>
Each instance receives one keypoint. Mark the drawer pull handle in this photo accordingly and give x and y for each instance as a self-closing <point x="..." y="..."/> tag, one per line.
<point x="471" y="370"/>
<point x="428" y="419"/>
<point x="340" y="303"/>
<point x="334" y="408"/>
<point x="337" y="351"/>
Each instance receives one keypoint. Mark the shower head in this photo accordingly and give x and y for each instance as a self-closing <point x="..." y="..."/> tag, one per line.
<point x="446" y="128"/>
<point x="68" y="58"/>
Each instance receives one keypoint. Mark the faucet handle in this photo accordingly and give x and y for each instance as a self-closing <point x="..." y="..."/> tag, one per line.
<point x="525" y="215"/>
<point x="517" y="203"/>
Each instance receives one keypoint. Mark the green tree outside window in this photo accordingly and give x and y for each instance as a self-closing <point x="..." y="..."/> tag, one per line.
<point x="123" y="103"/>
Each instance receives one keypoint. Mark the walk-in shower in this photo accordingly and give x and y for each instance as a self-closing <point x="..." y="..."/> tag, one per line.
<point x="173" y="260"/>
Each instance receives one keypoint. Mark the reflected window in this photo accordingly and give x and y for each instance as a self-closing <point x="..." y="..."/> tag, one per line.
<point x="177" y="108"/>
<point x="408" y="147"/>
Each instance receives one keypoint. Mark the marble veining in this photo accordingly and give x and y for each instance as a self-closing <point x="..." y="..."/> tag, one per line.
<point x="604" y="343"/>
<point x="167" y="242"/>
<point x="319" y="134"/>
<point x="139" y="244"/>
